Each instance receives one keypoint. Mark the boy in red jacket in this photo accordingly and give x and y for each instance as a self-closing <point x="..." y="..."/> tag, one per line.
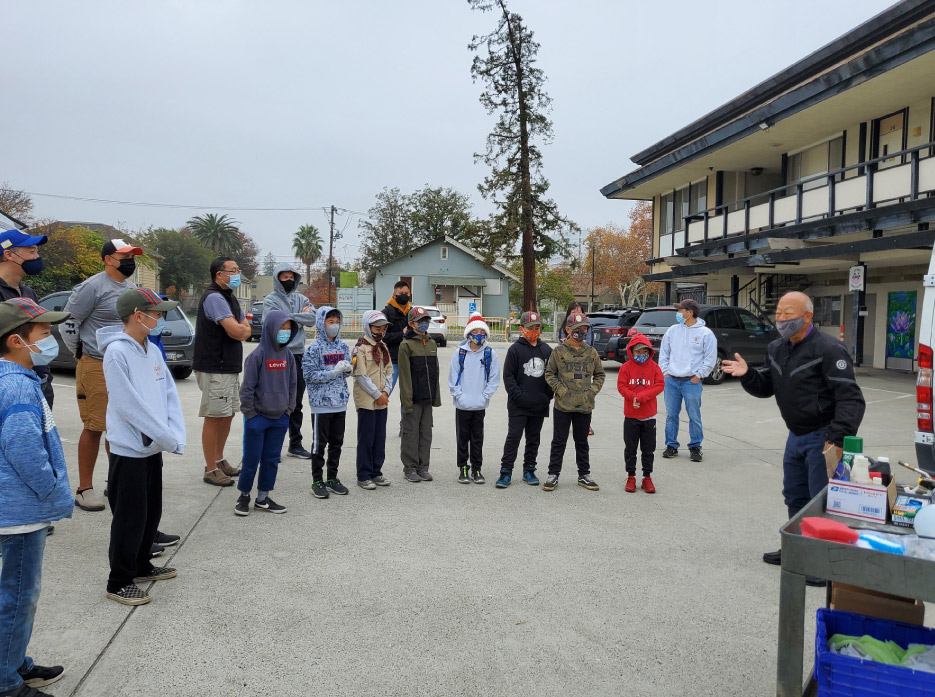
<point x="639" y="381"/>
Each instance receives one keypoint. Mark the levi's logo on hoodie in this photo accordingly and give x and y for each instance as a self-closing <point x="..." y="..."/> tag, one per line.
<point x="275" y="365"/>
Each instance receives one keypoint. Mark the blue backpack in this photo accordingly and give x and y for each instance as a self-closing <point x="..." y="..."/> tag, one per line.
<point x="487" y="358"/>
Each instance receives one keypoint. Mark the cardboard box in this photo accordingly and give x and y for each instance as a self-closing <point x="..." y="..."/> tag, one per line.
<point x="906" y="507"/>
<point x="860" y="501"/>
<point x="874" y="604"/>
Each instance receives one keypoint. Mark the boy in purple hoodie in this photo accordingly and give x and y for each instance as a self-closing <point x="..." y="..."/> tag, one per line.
<point x="267" y="397"/>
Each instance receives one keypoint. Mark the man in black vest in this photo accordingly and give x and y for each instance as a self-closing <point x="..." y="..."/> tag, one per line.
<point x="220" y="330"/>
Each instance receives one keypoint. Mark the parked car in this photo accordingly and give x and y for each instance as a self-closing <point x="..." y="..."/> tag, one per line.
<point x="925" y="433"/>
<point x="255" y="317"/>
<point x="737" y="331"/>
<point x="609" y="324"/>
<point x="178" y="339"/>
<point x="438" y="329"/>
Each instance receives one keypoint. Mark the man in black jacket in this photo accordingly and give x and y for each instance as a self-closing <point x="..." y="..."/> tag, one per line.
<point x="812" y="377"/>
<point x="528" y="397"/>
<point x="19" y="257"/>
<point x="397" y="311"/>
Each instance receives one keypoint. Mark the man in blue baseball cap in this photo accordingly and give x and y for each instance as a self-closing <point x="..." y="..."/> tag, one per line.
<point x="19" y="257"/>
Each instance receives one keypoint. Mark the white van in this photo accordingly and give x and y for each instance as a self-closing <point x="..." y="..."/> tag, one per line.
<point x="925" y="434"/>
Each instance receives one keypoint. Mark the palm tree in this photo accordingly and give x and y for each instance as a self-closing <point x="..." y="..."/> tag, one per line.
<point x="306" y="243"/>
<point x="217" y="232"/>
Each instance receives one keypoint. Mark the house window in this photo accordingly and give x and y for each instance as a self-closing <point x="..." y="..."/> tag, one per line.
<point x="815" y="160"/>
<point x="444" y="253"/>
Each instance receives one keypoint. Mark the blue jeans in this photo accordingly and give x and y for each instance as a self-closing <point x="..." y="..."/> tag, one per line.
<point x="20" y="581"/>
<point x="262" y="447"/>
<point x="371" y="443"/>
<point x="803" y="469"/>
<point x="690" y="392"/>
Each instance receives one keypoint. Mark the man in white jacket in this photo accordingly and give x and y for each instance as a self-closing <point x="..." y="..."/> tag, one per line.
<point x="686" y="357"/>
<point x="144" y="418"/>
<point x="473" y="378"/>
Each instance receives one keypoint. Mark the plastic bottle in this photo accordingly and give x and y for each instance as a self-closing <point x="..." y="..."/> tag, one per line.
<point x="853" y="445"/>
<point x="860" y="470"/>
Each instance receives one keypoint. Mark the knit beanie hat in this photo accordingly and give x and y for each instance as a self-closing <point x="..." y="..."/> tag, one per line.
<point x="476" y="322"/>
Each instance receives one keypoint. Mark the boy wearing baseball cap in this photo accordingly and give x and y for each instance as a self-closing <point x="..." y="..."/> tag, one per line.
<point x="144" y="418"/>
<point x="418" y="394"/>
<point x="34" y="487"/>
<point x="576" y="375"/>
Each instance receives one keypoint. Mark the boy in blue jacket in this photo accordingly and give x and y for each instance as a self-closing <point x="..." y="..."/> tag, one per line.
<point x="267" y="397"/>
<point x="34" y="487"/>
<point x="472" y="380"/>
<point x="144" y="418"/>
<point x="326" y="367"/>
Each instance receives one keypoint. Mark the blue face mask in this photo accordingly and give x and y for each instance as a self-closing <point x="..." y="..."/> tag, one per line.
<point x="477" y="339"/>
<point x="283" y="336"/>
<point x="48" y="350"/>
<point x="159" y="328"/>
<point x="233" y="281"/>
<point x="641" y="358"/>
<point x="680" y="318"/>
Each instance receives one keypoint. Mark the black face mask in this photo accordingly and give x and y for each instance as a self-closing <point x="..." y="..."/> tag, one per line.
<point x="402" y="299"/>
<point x="288" y="286"/>
<point x="127" y="267"/>
<point x="32" y="266"/>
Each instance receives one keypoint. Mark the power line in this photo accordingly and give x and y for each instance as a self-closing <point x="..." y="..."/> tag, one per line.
<point x="148" y="204"/>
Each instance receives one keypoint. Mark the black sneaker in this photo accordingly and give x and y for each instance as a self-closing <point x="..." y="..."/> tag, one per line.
<point x="166" y="540"/>
<point x="425" y="476"/>
<point x="463" y="477"/>
<point x="815" y="581"/>
<point x="40" y="676"/>
<point x="695" y="454"/>
<point x="157" y="573"/>
<point x="336" y="487"/>
<point x="268" y="504"/>
<point x="774" y="558"/>
<point x="319" y="491"/>
<point x="587" y="482"/>
<point x="242" y="507"/>
<point x="670" y="452"/>
<point x="156" y="551"/>
<point x="49" y="530"/>
<point x="131" y="594"/>
<point x="550" y="482"/>
<point x="300" y="453"/>
<point x="477" y="477"/>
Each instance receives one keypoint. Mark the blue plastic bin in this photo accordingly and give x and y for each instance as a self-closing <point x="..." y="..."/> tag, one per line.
<point x="845" y="676"/>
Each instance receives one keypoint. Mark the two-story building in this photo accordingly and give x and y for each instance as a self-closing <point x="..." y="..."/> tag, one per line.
<point x="821" y="173"/>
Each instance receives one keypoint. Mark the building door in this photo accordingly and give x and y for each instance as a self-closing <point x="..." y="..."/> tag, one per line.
<point x="889" y="135"/>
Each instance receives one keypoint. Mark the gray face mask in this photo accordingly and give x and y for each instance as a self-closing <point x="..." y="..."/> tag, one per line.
<point x="332" y="330"/>
<point x="788" y="328"/>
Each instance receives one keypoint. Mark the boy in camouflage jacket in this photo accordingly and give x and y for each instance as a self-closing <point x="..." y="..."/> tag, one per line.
<point x="576" y="375"/>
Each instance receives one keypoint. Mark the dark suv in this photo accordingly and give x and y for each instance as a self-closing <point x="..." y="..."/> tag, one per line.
<point x="255" y="317"/>
<point x="737" y="331"/>
<point x="609" y="324"/>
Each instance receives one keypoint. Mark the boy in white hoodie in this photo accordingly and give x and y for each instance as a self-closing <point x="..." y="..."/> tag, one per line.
<point x="144" y="418"/>
<point x="472" y="380"/>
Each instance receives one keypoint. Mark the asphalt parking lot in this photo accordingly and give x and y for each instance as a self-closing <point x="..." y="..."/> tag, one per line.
<point x="442" y="588"/>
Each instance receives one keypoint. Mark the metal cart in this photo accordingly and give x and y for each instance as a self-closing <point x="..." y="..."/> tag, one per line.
<point x="804" y="556"/>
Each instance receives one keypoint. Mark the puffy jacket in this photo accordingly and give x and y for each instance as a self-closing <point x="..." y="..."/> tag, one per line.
<point x="327" y="392"/>
<point x="528" y="394"/>
<point x="575" y="376"/>
<point x="814" y="385"/>
<point x="471" y="388"/>
<point x="33" y="478"/>
<point x="418" y="371"/>
<point x="640" y="382"/>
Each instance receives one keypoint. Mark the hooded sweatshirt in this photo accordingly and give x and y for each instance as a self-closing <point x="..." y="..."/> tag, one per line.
<point x="575" y="375"/>
<point x="640" y="382"/>
<point x="144" y="415"/>
<point x="327" y="391"/>
<point x="528" y="394"/>
<point x="688" y="351"/>
<point x="268" y="386"/>
<point x="474" y="390"/>
<point x="290" y="303"/>
<point x="373" y="368"/>
<point x="33" y="478"/>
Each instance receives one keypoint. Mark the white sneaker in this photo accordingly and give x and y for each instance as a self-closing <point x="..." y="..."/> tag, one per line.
<point x="367" y="484"/>
<point x="88" y="500"/>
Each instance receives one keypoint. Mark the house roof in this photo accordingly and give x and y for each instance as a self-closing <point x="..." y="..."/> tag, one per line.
<point x="886" y="41"/>
<point x="467" y="250"/>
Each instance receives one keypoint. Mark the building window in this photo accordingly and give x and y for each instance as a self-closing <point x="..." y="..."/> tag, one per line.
<point x="666" y="212"/>
<point x="698" y="197"/>
<point x="681" y="208"/>
<point x="444" y="253"/>
<point x="815" y="160"/>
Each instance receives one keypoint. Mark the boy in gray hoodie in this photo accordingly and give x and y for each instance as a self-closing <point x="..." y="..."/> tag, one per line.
<point x="299" y="309"/>
<point x="144" y="418"/>
<point x="267" y="394"/>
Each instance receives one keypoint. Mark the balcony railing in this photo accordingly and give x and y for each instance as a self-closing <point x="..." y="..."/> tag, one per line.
<point x="875" y="183"/>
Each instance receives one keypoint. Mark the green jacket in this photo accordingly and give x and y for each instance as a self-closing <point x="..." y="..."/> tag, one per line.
<point x="575" y="376"/>
<point x="418" y="371"/>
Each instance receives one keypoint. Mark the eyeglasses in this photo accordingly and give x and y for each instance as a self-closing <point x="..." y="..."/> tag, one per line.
<point x="230" y="271"/>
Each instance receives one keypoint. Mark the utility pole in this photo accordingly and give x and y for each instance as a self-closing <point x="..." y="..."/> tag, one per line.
<point x="591" y="309"/>
<point x="331" y="258"/>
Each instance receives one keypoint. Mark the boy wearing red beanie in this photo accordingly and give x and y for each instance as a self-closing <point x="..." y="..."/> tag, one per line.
<point x="639" y="382"/>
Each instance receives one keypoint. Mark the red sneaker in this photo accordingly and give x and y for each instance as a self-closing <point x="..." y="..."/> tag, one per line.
<point x="647" y="485"/>
<point x="631" y="484"/>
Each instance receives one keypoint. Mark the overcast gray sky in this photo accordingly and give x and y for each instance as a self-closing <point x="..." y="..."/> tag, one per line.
<point x="306" y="103"/>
